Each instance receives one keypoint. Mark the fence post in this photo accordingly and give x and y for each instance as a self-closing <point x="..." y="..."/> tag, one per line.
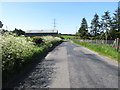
<point x="114" y="43"/>
<point x="95" y="41"/>
<point x="117" y="43"/>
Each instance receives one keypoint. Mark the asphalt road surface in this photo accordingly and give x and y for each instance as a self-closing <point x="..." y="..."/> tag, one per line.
<point x="72" y="66"/>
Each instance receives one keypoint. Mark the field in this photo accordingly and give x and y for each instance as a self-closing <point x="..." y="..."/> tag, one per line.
<point x="103" y="49"/>
<point x="67" y="37"/>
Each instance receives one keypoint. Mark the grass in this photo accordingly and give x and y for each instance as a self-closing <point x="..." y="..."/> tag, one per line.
<point x="103" y="49"/>
<point x="68" y="37"/>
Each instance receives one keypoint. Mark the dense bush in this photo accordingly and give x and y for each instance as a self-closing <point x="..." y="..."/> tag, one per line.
<point x="37" y="40"/>
<point x="16" y="51"/>
<point x="19" y="51"/>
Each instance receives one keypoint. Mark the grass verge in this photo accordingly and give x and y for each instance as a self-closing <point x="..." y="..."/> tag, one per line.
<point x="103" y="49"/>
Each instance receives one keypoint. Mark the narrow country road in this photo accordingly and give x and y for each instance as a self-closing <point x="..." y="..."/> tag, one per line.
<point x="72" y="66"/>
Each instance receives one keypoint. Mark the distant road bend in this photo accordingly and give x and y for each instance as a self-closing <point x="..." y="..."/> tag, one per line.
<point x="73" y="66"/>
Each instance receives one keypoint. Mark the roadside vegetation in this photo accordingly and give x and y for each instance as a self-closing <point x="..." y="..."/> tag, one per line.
<point x="67" y="36"/>
<point x="103" y="49"/>
<point x="20" y="51"/>
<point x="106" y="27"/>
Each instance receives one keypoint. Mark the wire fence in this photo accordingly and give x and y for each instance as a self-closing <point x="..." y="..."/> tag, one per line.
<point x="115" y="43"/>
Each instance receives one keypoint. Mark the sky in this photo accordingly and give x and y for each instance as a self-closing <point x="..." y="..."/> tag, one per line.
<point x="41" y="15"/>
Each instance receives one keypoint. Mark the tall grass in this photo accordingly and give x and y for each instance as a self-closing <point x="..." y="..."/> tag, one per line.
<point x="103" y="49"/>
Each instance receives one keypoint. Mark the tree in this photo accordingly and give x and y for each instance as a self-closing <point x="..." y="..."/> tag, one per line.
<point x="95" y="25"/>
<point x="114" y="31"/>
<point x="106" y="23"/>
<point x="1" y="25"/>
<point x="115" y="20"/>
<point x="83" y="30"/>
<point x="18" y="32"/>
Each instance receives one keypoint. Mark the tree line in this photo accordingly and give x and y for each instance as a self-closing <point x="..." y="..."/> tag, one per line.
<point x="107" y="27"/>
<point x="18" y="32"/>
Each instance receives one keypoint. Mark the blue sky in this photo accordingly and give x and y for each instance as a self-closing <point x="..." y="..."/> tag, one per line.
<point x="40" y="15"/>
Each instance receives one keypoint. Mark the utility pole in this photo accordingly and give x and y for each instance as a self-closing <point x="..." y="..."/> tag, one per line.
<point x="54" y="26"/>
<point x="76" y="31"/>
<point x="6" y="28"/>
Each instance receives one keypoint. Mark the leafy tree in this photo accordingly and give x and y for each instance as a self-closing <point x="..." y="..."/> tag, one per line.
<point x="95" y="25"/>
<point x="18" y="32"/>
<point x="83" y="30"/>
<point x="1" y="25"/>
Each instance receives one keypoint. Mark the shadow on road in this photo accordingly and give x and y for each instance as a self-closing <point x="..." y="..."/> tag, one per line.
<point x="36" y="75"/>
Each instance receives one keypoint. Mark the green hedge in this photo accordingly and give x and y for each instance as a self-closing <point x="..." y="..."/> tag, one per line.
<point x="18" y="52"/>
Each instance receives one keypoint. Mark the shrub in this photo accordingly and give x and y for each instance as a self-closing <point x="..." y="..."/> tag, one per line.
<point x="37" y="40"/>
<point x="17" y="52"/>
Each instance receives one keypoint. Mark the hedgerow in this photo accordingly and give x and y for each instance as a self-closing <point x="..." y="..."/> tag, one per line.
<point x="17" y="52"/>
